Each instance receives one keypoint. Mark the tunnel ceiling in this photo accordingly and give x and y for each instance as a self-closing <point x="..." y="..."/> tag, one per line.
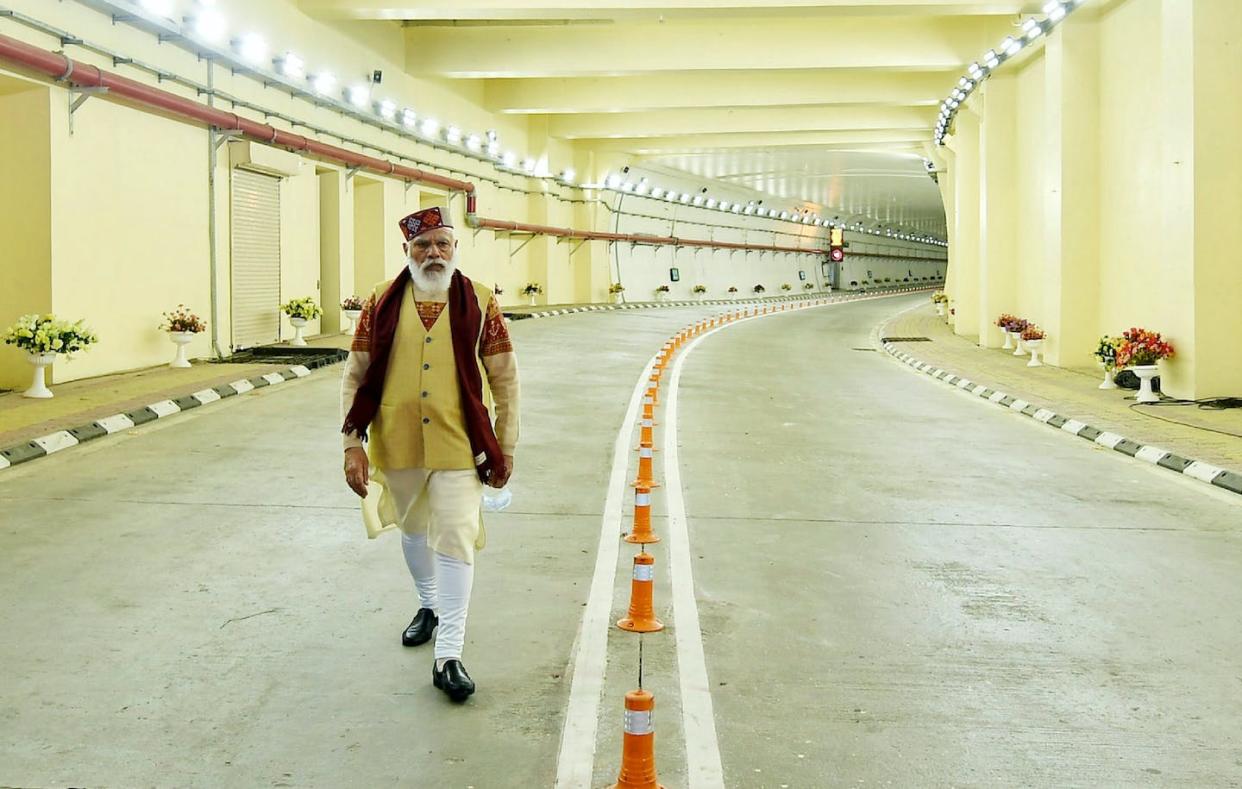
<point x="830" y="101"/>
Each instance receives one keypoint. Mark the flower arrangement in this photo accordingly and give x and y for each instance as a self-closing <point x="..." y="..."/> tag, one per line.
<point x="182" y="320"/>
<point x="700" y="289"/>
<point x="731" y="289"/>
<point x="939" y="297"/>
<point x="532" y="288"/>
<point x="888" y="279"/>
<point x="808" y="286"/>
<point x="1032" y="332"/>
<point x="759" y="289"/>
<point x="662" y="289"/>
<point x="1140" y="347"/>
<point x="304" y="308"/>
<point x="352" y="303"/>
<point x="854" y="284"/>
<point x="1017" y="325"/>
<point x="786" y="286"/>
<point x="1106" y="351"/>
<point x="496" y="289"/>
<point x="44" y="334"/>
<point x="616" y="287"/>
<point x="1005" y="319"/>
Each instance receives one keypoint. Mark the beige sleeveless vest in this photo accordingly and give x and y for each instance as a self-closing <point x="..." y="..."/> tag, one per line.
<point x="420" y="423"/>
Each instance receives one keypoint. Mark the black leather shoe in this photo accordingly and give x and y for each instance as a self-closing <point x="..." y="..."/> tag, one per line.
<point x="420" y="630"/>
<point x="453" y="680"/>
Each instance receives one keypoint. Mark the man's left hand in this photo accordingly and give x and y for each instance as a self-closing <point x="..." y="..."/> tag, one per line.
<point x="500" y="476"/>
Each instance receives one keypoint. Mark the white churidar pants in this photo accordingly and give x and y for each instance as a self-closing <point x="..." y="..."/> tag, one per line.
<point x="443" y="582"/>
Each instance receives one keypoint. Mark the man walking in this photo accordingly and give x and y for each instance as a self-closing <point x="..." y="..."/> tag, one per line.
<point x="430" y="351"/>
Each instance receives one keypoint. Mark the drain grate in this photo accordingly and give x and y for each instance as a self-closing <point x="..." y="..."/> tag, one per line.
<point x="906" y="339"/>
<point x="310" y="357"/>
<point x="872" y="350"/>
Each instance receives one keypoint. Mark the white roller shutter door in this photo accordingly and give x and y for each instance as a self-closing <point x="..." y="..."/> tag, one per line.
<point x="256" y="259"/>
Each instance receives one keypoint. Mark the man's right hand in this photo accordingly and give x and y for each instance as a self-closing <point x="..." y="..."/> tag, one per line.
<point x="357" y="470"/>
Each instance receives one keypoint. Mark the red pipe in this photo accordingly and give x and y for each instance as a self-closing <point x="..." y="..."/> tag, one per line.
<point x="566" y="232"/>
<point x="65" y="69"/>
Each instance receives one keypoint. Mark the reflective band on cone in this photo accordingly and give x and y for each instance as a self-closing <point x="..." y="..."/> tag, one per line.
<point x="645" y="434"/>
<point x="638" y="767"/>
<point x="641" y="618"/>
<point x="642" y="533"/>
<point x="646" y="477"/>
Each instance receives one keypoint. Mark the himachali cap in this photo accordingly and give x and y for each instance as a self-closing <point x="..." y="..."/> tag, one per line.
<point x="421" y="221"/>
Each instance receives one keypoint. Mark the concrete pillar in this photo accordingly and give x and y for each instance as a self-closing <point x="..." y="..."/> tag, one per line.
<point x="25" y="220"/>
<point x="1072" y="193"/>
<point x="964" y="293"/>
<point x="998" y="259"/>
<point x="1202" y="165"/>
<point x="336" y="247"/>
<point x="368" y="208"/>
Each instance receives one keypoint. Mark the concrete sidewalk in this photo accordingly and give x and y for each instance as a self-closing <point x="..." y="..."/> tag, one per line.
<point x="1212" y="436"/>
<point x="84" y="401"/>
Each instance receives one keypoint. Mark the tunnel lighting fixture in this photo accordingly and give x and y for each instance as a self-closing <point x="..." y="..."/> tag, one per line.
<point x="162" y="8"/>
<point x="685" y="197"/>
<point x="409" y="118"/>
<point x="627" y="187"/>
<point x="698" y="200"/>
<point x="671" y="196"/>
<point x="475" y="143"/>
<point x="657" y="192"/>
<point x="207" y="21"/>
<point x="358" y="95"/>
<point x="509" y="159"/>
<point x="567" y="175"/>
<point x="711" y="202"/>
<point x="251" y="47"/>
<point x="772" y="213"/>
<point x="452" y="135"/>
<point x="429" y="127"/>
<point x="642" y="187"/>
<point x="493" y="149"/>
<point x="529" y="165"/>
<point x="1011" y="46"/>
<point x="290" y="65"/>
<point x="737" y="208"/>
<point x="387" y="109"/>
<point x="323" y="83"/>
<point x="1032" y="29"/>
<point x="612" y="180"/>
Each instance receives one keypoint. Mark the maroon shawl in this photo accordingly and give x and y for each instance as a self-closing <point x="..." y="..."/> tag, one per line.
<point x="465" y="322"/>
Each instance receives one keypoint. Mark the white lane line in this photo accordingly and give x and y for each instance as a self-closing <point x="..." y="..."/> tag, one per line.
<point x="576" y="761"/>
<point x="703" y="767"/>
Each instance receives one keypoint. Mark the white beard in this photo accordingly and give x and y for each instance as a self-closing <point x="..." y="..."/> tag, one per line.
<point x="432" y="282"/>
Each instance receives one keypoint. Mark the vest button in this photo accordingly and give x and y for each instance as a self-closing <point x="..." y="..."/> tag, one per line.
<point x="426" y="367"/>
<point x="426" y="394"/>
<point x="428" y="339"/>
<point x="426" y="421"/>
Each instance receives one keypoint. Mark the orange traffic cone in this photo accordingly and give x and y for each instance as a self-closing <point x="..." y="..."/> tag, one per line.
<point x="641" y="617"/>
<point x="649" y="405"/>
<point x="638" y="768"/>
<point x="642" y="534"/>
<point x="646" y="479"/>
<point x="645" y="434"/>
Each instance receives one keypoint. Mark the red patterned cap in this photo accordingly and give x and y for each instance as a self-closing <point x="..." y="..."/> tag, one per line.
<point x="421" y="221"/>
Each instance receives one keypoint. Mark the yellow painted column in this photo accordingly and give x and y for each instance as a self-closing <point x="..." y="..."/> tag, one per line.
<point x="25" y="220"/>
<point x="945" y="180"/>
<point x="1071" y="193"/>
<point x="964" y="293"/>
<point x="997" y="206"/>
<point x="1202" y="164"/>
<point x="336" y="247"/>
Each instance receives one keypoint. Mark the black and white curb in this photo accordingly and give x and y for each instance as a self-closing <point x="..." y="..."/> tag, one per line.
<point x="66" y="439"/>
<point x="1196" y="469"/>
<point x="646" y="305"/>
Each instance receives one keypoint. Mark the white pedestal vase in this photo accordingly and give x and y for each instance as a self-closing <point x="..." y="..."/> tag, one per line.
<point x="1108" y="378"/>
<point x="1145" y="373"/>
<point x="1034" y="346"/>
<point x="532" y="299"/>
<point x="940" y="308"/>
<point x="1018" y="350"/>
<point x="700" y="297"/>
<point x="1008" y="346"/>
<point x="38" y="389"/>
<point x="298" y="325"/>
<point x="352" y="316"/>
<point x="659" y="297"/>
<point x="615" y="298"/>
<point x="182" y="339"/>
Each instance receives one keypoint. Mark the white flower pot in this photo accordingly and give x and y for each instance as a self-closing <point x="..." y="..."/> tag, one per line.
<point x="615" y="298"/>
<point x="38" y="389"/>
<point x="1008" y="346"/>
<point x="532" y="298"/>
<point x="1145" y="373"/>
<point x="1018" y="350"/>
<point x="1108" y="378"/>
<point x="700" y="296"/>
<point x="352" y="316"/>
<point x="660" y="295"/>
<point x="182" y="339"/>
<point x="940" y="308"/>
<point x="1034" y="346"/>
<point x="298" y="325"/>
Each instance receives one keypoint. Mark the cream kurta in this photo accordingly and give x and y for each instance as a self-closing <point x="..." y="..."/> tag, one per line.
<point x="420" y="423"/>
